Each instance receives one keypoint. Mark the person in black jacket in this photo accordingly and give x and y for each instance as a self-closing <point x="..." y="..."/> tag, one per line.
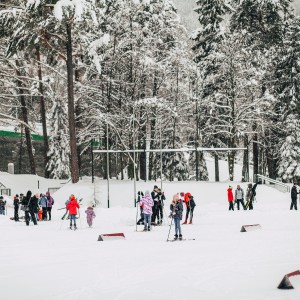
<point x="294" y="196"/>
<point x="16" y="208"/>
<point x="155" y="198"/>
<point x="30" y="204"/>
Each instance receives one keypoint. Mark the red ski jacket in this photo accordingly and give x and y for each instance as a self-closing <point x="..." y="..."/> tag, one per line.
<point x="229" y="195"/>
<point x="72" y="207"/>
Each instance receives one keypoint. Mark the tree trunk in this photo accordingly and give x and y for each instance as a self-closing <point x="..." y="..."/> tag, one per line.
<point x="25" y="120"/>
<point x="71" y="109"/>
<point x="255" y="154"/>
<point x="217" y="172"/>
<point x="43" y="113"/>
<point x="245" y="175"/>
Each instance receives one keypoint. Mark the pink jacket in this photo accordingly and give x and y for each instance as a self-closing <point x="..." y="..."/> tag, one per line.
<point x="147" y="204"/>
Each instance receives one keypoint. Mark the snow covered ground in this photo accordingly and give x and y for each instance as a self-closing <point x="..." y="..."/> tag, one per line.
<point x="49" y="261"/>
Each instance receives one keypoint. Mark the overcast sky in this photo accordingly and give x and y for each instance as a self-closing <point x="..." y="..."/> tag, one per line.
<point x="189" y="17"/>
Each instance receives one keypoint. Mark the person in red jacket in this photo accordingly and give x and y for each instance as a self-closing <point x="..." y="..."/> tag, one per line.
<point x="230" y="198"/>
<point x="186" y="199"/>
<point x="72" y="208"/>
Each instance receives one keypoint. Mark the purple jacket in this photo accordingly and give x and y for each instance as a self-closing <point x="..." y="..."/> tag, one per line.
<point x="50" y="200"/>
<point x="90" y="213"/>
<point x="147" y="204"/>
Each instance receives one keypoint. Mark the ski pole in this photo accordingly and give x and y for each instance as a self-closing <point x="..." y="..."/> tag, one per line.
<point x="79" y="217"/>
<point x="137" y="208"/>
<point x="170" y="229"/>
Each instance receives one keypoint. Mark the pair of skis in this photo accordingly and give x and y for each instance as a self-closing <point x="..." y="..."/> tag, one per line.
<point x="180" y="240"/>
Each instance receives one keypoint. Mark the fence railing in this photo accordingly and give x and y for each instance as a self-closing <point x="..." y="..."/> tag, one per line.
<point x="283" y="187"/>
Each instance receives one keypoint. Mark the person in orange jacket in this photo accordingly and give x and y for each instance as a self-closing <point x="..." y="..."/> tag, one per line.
<point x="72" y="208"/>
<point x="230" y="198"/>
<point x="186" y="200"/>
<point x="40" y="214"/>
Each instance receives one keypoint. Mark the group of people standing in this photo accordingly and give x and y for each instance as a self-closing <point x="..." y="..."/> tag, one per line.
<point x="152" y="209"/>
<point x="36" y="207"/>
<point x="239" y="196"/>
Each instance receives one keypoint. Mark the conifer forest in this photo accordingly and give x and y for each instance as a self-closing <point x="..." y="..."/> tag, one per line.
<point x="130" y="75"/>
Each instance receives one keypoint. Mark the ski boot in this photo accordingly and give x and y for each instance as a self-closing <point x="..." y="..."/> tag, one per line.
<point x="191" y="221"/>
<point x="149" y="228"/>
<point x="180" y="237"/>
<point x="175" y="237"/>
<point x="185" y="222"/>
<point x="71" y="227"/>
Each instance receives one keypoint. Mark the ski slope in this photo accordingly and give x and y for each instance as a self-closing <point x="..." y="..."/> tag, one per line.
<point x="49" y="261"/>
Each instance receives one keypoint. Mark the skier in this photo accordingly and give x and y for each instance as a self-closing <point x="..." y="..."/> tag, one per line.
<point x="90" y="215"/>
<point x="147" y="204"/>
<point x="141" y="220"/>
<point x="155" y="196"/>
<point x="176" y="208"/>
<point x="34" y="205"/>
<point x="250" y="195"/>
<point x="239" y="197"/>
<point x="43" y="202"/>
<point x="29" y="204"/>
<point x="230" y="198"/>
<point x="66" y="203"/>
<point x="185" y="197"/>
<point x="72" y="208"/>
<point x="50" y="203"/>
<point x="16" y="208"/>
<point x="161" y="198"/>
<point x="294" y="196"/>
<point x="2" y="205"/>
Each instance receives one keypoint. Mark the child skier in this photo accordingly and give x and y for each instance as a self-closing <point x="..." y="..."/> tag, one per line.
<point x="230" y="198"/>
<point x="72" y="208"/>
<point x="176" y="212"/>
<point x="90" y="215"/>
<point x="147" y="204"/>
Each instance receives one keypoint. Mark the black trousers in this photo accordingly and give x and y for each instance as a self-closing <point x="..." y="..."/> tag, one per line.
<point x="44" y="213"/>
<point x="160" y="213"/>
<point x="188" y="210"/>
<point x="238" y="203"/>
<point x="16" y="213"/>
<point x="49" y="212"/>
<point x="294" y="204"/>
<point x="231" y="206"/>
<point x="30" y="215"/>
<point x="154" y="213"/>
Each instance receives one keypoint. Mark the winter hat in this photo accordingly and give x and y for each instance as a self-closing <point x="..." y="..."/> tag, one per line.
<point x="155" y="187"/>
<point x="17" y="195"/>
<point x="175" y="197"/>
<point x="1" y="197"/>
<point x="72" y="197"/>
